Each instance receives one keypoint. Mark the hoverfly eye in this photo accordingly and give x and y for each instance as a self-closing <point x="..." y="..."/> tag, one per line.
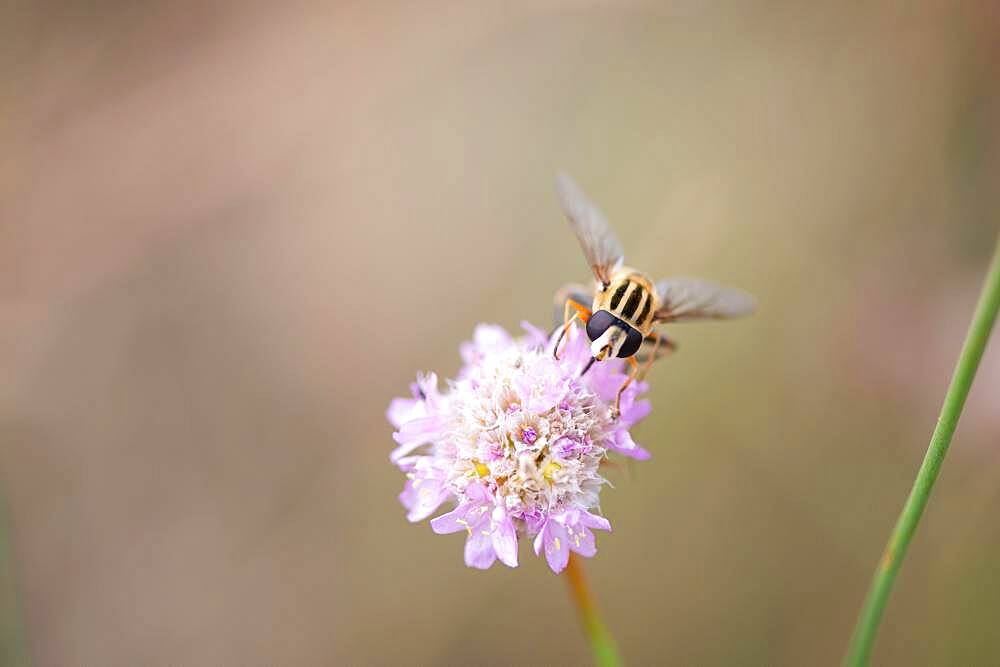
<point x="598" y="324"/>
<point x="631" y="344"/>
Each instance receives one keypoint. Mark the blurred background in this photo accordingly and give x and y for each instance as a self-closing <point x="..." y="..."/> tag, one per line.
<point x="231" y="232"/>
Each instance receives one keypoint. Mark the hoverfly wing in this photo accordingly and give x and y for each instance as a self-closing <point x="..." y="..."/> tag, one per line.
<point x="600" y="245"/>
<point x="684" y="299"/>
<point x="649" y="345"/>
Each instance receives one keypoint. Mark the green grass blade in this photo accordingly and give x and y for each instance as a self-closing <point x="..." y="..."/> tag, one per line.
<point x="13" y="652"/>
<point x="863" y="639"/>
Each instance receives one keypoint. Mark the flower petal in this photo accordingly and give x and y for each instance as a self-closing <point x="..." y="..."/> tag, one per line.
<point x="536" y="337"/>
<point x="578" y="523"/>
<point x="477" y="494"/>
<point x="504" y="539"/>
<point x="556" y="545"/>
<point x="422" y="497"/>
<point x="569" y="446"/>
<point x="402" y="410"/>
<point x="594" y="521"/>
<point x="605" y="379"/>
<point x="479" y="551"/>
<point x="624" y="444"/>
<point x="427" y="388"/>
<point x="581" y="540"/>
<point x="409" y="463"/>
<point x="487" y="339"/>
<point x="413" y="434"/>
<point x="634" y="413"/>
<point x="453" y="521"/>
<point x="539" y="540"/>
<point x="574" y="350"/>
<point x="542" y="388"/>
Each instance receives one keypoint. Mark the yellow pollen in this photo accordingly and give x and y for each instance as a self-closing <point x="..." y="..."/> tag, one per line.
<point x="558" y="544"/>
<point x="550" y="469"/>
<point x="481" y="468"/>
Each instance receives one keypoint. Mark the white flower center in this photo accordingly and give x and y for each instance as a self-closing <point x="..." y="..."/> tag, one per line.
<point x="536" y="461"/>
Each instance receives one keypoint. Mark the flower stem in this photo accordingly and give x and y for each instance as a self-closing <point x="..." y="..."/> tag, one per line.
<point x="601" y="644"/>
<point x="985" y="316"/>
<point x="13" y="647"/>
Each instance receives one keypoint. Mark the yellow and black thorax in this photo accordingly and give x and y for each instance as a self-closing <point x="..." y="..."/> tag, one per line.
<point x="631" y="297"/>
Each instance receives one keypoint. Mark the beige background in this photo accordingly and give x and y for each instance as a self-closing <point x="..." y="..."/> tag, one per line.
<point x="230" y="233"/>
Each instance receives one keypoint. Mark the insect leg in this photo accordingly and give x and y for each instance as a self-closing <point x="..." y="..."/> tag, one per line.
<point x="658" y="340"/>
<point x="633" y="370"/>
<point x="582" y="312"/>
<point x="567" y="321"/>
<point x="654" y="346"/>
<point x="652" y="357"/>
<point x="569" y="292"/>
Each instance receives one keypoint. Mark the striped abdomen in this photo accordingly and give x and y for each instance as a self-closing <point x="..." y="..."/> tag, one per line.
<point x="630" y="297"/>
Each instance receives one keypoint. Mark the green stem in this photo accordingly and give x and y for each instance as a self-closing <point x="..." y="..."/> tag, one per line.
<point x="863" y="640"/>
<point x="601" y="644"/>
<point x="13" y="650"/>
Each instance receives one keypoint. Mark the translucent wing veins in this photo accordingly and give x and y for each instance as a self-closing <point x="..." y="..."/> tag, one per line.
<point x="693" y="298"/>
<point x="601" y="247"/>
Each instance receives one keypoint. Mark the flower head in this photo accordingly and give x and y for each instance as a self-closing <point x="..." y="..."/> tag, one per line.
<point x="516" y="444"/>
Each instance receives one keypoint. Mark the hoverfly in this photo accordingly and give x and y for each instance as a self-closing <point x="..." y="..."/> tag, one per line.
<point x="626" y="304"/>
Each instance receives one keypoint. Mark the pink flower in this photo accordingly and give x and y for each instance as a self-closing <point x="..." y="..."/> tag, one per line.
<point x="425" y="488"/>
<point x="623" y="443"/>
<point x="491" y="531"/>
<point x="516" y="443"/>
<point x="416" y="418"/>
<point x="569" y="531"/>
